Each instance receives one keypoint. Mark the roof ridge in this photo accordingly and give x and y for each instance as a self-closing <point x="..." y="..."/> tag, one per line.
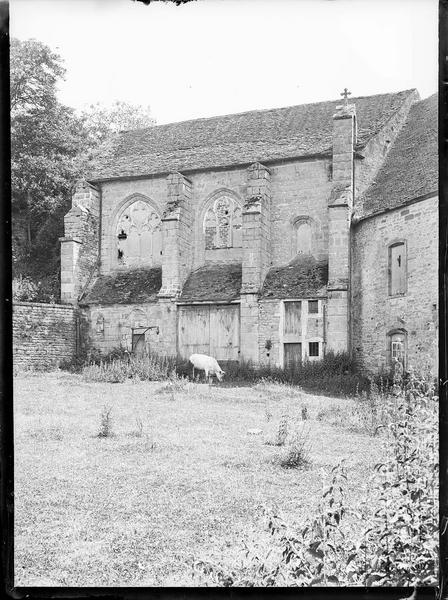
<point x="266" y="110"/>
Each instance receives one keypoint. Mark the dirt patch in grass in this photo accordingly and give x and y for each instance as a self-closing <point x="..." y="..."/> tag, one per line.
<point x="181" y="477"/>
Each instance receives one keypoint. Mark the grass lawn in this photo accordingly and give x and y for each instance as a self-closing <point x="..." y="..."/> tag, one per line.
<point x="181" y="477"/>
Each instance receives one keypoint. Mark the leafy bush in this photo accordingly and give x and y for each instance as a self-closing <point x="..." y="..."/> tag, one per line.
<point x="25" y="289"/>
<point x="389" y="538"/>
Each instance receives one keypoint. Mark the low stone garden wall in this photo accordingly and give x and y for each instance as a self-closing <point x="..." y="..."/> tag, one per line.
<point x="43" y="334"/>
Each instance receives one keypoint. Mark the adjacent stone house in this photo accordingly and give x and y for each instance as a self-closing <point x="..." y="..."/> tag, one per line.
<point x="271" y="236"/>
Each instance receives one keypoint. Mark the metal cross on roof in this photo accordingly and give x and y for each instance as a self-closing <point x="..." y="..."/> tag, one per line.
<point x="346" y="94"/>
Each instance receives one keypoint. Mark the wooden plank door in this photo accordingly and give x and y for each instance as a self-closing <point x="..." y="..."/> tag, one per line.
<point x="224" y="332"/>
<point x="293" y="324"/>
<point x="292" y="354"/>
<point x="194" y="330"/>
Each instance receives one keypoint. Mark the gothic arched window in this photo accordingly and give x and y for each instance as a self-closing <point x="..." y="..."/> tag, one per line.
<point x="139" y="236"/>
<point x="302" y="237"/>
<point x="222" y="224"/>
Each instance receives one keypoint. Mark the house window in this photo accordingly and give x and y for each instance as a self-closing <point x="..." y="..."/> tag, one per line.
<point x="139" y="236"/>
<point x="397" y="269"/>
<point x="397" y="342"/>
<point x="313" y="348"/>
<point x="222" y="224"/>
<point x="313" y="307"/>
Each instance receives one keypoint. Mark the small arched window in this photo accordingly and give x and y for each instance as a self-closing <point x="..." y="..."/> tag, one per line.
<point x="139" y="236"/>
<point x="397" y="347"/>
<point x="222" y="224"/>
<point x="302" y="242"/>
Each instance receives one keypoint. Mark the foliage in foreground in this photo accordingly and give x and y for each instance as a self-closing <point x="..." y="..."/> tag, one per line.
<point x="118" y="370"/>
<point x="389" y="538"/>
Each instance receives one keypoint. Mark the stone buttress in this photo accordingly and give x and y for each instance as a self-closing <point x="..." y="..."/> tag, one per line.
<point x="79" y="246"/>
<point x="256" y="255"/>
<point x="177" y="223"/>
<point x="339" y="217"/>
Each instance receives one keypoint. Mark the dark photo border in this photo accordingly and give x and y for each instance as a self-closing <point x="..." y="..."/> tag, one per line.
<point x="6" y="389"/>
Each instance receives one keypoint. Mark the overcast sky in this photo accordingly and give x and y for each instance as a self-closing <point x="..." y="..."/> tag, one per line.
<point x="214" y="57"/>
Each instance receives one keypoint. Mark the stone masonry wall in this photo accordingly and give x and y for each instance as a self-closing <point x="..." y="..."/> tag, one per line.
<point x="43" y="334"/>
<point x="118" y="320"/>
<point x="299" y="188"/>
<point x="374" y="313"/>
<point x="269" y="332"/>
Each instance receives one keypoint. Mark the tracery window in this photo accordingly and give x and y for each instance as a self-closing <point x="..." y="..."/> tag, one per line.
<point x="222" y="224"/>
<point x="139" y="236"/>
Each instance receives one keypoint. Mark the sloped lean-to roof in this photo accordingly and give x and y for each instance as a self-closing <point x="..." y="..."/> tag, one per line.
<point x="410" y="170"/>
<point x="213" y="283"/>
<point x="243" y="138"/>
<point x="135" y="286"/>
<point x="303" y="277"/>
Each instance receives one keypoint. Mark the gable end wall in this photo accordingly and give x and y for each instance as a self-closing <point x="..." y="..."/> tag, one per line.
<point x="373" y="312"/>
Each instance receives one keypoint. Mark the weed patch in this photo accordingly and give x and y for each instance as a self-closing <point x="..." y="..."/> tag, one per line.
<point x="298" y="449"/>
<point x="138" y="368"/>
<point x="105" y="430"/>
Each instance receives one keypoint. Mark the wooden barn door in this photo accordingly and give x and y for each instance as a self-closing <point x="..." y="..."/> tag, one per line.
<point x="224" y="332"/>
<point x="212" y="330"/>
<point x="194" y="330"/>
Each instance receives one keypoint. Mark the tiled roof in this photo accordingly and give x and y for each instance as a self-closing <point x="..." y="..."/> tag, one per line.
<point x="411" y="167"/>
<point x="241" y="138"/>
<point x="139" y="285"/>
<point x="302" y="278"/>
<point x="213" y="282"/>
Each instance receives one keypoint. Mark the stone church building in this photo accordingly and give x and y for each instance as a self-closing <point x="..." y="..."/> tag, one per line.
<point x="272" y="236"/>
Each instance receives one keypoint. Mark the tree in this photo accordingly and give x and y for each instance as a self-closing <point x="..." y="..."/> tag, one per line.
<point x="101" y="121"/>
<point x="34" y="72"/>
<point x="51" y="147"/>
<point x="45" y="136"/>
